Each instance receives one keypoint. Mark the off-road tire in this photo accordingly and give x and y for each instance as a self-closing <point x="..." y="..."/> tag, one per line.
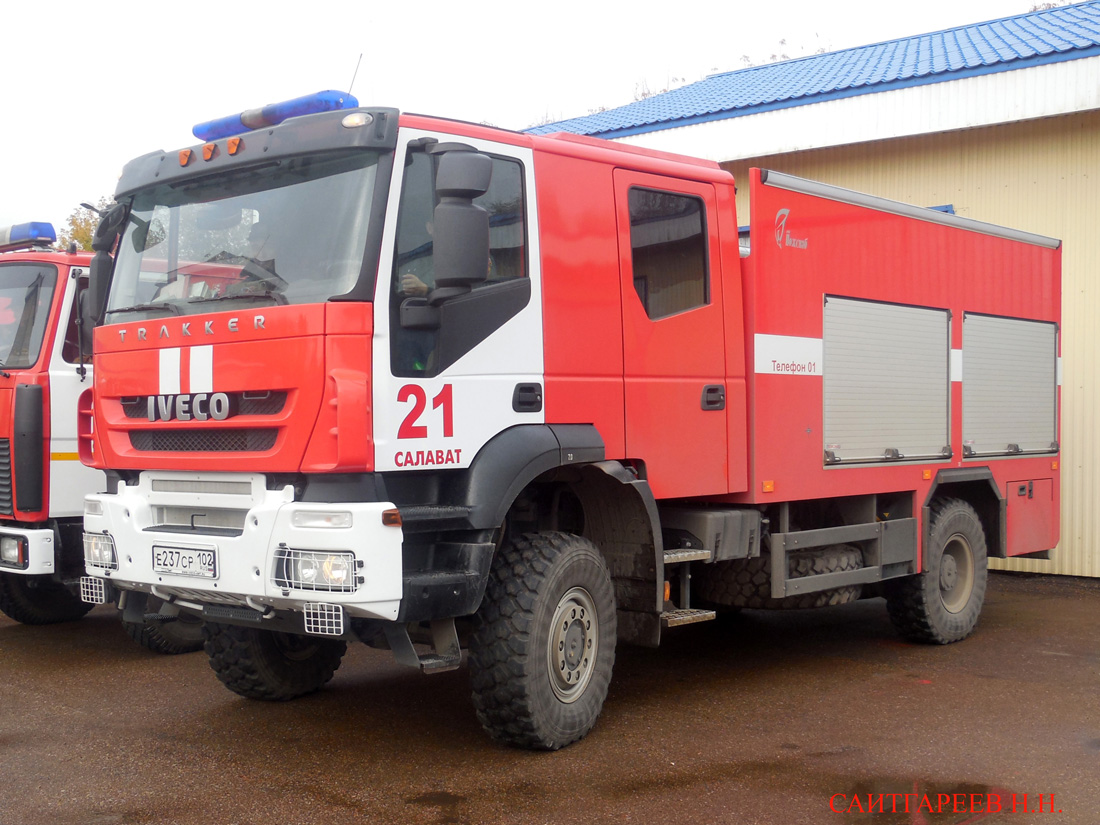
<point x="39" y="600"/>
<point x="180" y="634"/>
<point x="271" y="666"/>
<point x="748" y="582"/>
<point x="543" y="642"/>
<point x="942" y="604"/>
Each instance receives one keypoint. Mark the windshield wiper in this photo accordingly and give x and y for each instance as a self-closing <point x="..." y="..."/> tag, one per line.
<point x="175" y="310"/>
<point x="266" y="295"/>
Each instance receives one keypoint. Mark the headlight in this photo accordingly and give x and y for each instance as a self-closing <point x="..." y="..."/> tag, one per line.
<point x="13" y="551"/>
<point x="315" y="570"/>
<point x="99" y="551"/>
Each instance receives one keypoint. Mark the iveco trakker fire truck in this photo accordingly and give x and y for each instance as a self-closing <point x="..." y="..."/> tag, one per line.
<point x="42" y="483"/>
<point x="434" y="386"/>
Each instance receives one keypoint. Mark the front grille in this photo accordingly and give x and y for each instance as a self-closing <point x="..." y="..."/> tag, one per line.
<point x="203" y="441"/>
<point x="6" y="504"/>
<point x="247" y="403"/>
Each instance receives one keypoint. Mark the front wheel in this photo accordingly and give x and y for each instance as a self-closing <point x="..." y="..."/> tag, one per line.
<point x="268" y="665"/>
<point x="543" y="645"/>
<point x="942" y="604"/>
<point x="39" y="600"/>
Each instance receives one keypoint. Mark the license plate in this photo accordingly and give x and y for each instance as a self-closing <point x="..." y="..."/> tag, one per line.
<point x="186" y="561"/>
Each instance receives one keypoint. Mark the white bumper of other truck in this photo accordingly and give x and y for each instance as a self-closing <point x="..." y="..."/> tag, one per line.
<point x="225" y="539"/>
<point x="27" y="552"/>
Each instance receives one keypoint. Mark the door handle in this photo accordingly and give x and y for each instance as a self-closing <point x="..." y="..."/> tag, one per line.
<point x="714" y="397"/>
<point x="527" y="398"/>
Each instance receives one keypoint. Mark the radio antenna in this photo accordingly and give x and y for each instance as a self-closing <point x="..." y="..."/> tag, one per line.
<point x="355" y="73"/>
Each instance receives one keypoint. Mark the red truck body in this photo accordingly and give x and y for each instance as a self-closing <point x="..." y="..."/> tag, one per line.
<point x="864" y="398"/>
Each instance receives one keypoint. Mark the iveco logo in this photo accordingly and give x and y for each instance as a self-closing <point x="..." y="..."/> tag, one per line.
<point x="200" y="406"/>
<point x="782" y="236"/>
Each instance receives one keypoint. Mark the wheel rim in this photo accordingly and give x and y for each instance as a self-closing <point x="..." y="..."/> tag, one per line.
<point x="294" y="647"/>
<point x="956" y="573"/>
<point x="573" y="644"/>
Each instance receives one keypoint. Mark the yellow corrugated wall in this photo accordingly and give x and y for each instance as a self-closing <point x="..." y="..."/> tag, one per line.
<point x="1041" y="176"/>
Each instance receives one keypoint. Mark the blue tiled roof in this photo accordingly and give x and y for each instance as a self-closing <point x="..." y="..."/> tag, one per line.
<point x="1049" y="36"/>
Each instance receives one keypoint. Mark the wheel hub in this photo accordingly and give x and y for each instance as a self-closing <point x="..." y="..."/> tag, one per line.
<point x="949" y="573"/>
<point x="956" y="574"/>
<point x="573" y="644"/>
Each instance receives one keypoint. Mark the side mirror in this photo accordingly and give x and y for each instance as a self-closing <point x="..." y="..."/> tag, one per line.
<point x="461" y="243"/>
<point x="94" y="300"/>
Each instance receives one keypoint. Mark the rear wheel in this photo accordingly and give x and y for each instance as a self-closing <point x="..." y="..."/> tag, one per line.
<point x="39" y="600"/>
<point x="942" y="604"/>
<point x="544" y="642"/>
<point x="265" y="664"/>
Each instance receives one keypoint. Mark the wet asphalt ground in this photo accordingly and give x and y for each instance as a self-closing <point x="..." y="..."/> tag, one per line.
<point x="779" y="718"/>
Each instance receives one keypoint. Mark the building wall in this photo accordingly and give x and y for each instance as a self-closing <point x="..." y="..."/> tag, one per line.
<point x="1041" y="176"/>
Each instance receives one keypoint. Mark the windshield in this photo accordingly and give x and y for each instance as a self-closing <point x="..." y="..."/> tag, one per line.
<point x="288" y="232"/>
<point x="26" y="291"/>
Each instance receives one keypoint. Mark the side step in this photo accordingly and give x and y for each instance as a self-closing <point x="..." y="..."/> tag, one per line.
<point x="686" y="614"/>
<point x="446" y="652"/>
<point x="675" y="618"/>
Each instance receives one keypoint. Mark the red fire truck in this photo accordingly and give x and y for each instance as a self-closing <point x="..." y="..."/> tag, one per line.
<point x="42" y="483"/>
<point x="436" y="386"/>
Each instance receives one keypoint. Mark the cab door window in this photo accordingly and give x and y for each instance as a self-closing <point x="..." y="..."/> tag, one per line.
<point x="668" y="245"/>
<point x="468" y="321"/>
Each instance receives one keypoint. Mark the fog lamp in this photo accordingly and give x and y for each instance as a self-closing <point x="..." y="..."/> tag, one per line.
<point x="99" y="551"/>
<point x="12" y="551"/>
<point x="93" y="507"/>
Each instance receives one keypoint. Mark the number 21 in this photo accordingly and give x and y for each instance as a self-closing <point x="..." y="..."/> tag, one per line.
<point x="410" y="428"/>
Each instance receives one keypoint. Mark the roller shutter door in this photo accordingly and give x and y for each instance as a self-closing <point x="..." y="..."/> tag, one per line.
<point x="1010" y="386"/>
<point x="886" y="382"/>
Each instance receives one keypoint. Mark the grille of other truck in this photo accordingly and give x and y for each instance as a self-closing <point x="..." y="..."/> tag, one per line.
<point x="6" y="504"/>
<point x="203" y="441"/>
<point x="270" y="403"/>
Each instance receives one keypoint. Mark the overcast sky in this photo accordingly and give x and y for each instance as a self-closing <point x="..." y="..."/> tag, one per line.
<point x="91" y="85"/>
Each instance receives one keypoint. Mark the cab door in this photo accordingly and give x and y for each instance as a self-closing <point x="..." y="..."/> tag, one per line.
<point x="674" y="362"/>
<point x="70" y="480"/>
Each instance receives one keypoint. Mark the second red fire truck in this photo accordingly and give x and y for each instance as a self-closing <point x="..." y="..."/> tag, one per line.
<point x="436" y="386"/>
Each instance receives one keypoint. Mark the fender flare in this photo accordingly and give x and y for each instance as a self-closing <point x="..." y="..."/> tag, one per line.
<point x="513" y="459"/>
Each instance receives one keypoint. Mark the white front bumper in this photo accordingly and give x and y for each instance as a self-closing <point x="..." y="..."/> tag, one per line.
<point x="246" y="563"/>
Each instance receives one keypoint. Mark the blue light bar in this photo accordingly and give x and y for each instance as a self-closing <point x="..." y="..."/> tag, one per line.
<point x="273" y="114"/>
<point x="23" y="235"/>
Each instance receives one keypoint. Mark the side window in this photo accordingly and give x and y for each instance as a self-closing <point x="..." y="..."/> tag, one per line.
<point x="414" y="351"/>
<point x="668" y="245"/>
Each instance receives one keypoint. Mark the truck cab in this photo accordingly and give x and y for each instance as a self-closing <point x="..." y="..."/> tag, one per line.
<point x="42" y="482"/>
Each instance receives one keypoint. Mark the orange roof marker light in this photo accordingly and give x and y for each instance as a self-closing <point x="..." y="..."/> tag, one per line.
<point x="273" y="114"/>
<point x="185" y="156"/>
<point x="209" y="151"/>
<point x="234" y="145"/>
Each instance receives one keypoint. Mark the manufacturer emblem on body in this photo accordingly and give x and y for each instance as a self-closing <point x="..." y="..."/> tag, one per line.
<point x="200" y="406"/>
